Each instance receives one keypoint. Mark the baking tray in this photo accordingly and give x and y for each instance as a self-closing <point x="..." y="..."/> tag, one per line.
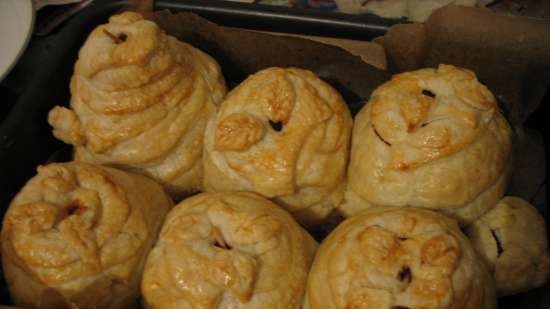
<point x="25" y="136"/>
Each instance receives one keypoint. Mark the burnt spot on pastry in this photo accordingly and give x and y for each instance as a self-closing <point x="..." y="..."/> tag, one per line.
<point x="380" y="137"/>
<point x="497" y="241"/>
<point x="400" y="307"/>
<point x="117" y="39"/>
<point x="405" y="274"/>
<point x="222" y="245"/>
<point x="403" y="238"/>
<point x="277" y="126"/>
<point x="122" y="37"/>
<point x="428" y="93"/>
<point x="219" y="241"/>
<point x="75" y="208"/>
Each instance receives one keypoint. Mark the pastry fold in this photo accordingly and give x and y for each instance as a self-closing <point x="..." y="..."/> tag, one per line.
<point x="393" y="258"/>
<point x="140" y="100"/>
<point x="282" y="133"/>
<point x="228" y="250"/>
<point x="432" y="138"/>
<point x="77" y="236"/>
<point x="511" y="239"/>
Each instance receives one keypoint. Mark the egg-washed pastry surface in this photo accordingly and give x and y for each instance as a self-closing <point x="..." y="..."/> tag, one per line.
<point x="431" y="138"/>
<point x="512" y="240"/>
<point x="415" y="10"/>
<point x="397" y="258"/>
<point x="228" y="250"/>
<point x="282" y="133"/>
<point x="77" y="236"/>
<point x="140" y="101"/>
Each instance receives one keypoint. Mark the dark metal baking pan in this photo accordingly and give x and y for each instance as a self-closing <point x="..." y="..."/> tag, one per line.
<point x="25" y="137"/>
<point x="284" y="19"/>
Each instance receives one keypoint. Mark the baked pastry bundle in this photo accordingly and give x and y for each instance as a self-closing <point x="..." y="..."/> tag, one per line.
<point x="429" y="143"/>
<point x="228" y="250"/>
<point x="282" y="133"/>
<point x="511" y="240"/>
<point x="431" y="138"/>
<point x="77" y="236"/>
<point x="140" y="101"/>
<point x="415" y="10"/>
<point x="389" y="258"/>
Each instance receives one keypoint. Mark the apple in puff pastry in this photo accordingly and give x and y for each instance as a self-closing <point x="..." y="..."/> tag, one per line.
<point x="140" y="101"/>
<point x="511" y="239"/>
<point x="228" y="250"/>
<point x="77" y="236"/>
<point x="432" y="138"/>
<point x="282" y="133"/>
<point x="398" y="258"/>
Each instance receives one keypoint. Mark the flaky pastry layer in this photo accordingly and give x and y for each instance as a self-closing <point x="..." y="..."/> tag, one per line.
<point x="511" y="239"/>
<point x="397" y="258"/>
<point x="282" y="133"/>
<point x="431" y="138"/>
<point x="228" y="250"/>
<point x="140" y="100"/>
<point x="77" y="236"/>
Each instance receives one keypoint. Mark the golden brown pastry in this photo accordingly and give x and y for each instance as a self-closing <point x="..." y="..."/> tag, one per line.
<point x="77" y="236"/>
<point x="228" y="250"/>
<point x="511" y="239"/>
<point x="396" y="258"/>
<point x="140" y="101"/>
<point x="432" y="138"/>
<point x="282" y="133"/>
<point x="415" y="10"/>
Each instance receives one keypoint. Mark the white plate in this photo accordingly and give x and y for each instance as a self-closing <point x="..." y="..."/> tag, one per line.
<point x="16" y="23"/>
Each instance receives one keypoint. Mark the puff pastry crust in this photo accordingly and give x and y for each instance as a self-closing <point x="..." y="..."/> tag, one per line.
<point x="416" y="10"/>
<point x="282" y="133"/>
<point x="140" y="101"/>
<point x="228" y="250"/>
<point x="77" y="236"/>
<point x="394" y="258"/>
<point x="511" y="239"/>
<point x="432" y="138"/>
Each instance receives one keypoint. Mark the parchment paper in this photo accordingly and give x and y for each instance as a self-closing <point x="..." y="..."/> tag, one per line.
<point x="241" y="53"/>
<point x="511" y="55"/>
